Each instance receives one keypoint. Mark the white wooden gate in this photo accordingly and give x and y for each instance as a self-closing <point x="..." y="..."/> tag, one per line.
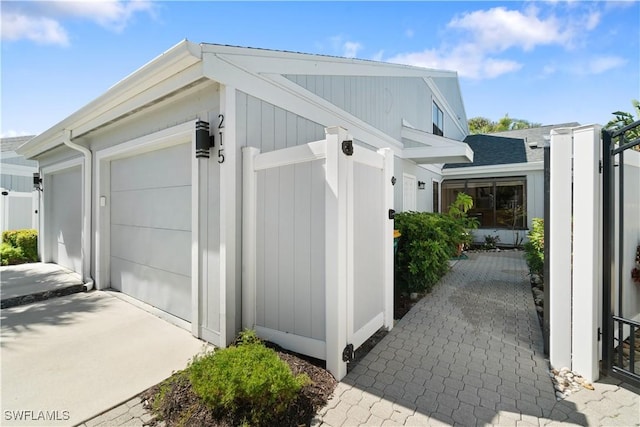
<point x="19" y="210"/>
<point x="317" y="250"/>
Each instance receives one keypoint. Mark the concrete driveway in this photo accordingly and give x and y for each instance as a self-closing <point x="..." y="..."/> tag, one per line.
<point x="67" y="359"/>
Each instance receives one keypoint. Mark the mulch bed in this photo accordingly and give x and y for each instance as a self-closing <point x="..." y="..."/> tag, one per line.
<point x="181" y="398"/>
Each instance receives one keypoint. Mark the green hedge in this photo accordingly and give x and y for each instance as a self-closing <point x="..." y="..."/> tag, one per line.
<point x="19" y="246"/>
<point x="534" y="248"/>
<point x="427" y="242"/>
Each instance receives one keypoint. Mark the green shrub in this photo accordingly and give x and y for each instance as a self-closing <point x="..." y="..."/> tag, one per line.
<point x="248" y="381"/>
<point x="19" y="246"/>
<point x="534" y="248"/>
<point x="427" y="242"/>
<point x="10" y="255"/>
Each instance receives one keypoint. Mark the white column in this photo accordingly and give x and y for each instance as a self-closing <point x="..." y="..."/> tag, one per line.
<point x="249" y="201"/>
<point x="335" y="254"/>
<point x="586" y="244"/>
<point x="559" y="281"/>
<point x="387" y="230"/>
<point x="230" y="266"/>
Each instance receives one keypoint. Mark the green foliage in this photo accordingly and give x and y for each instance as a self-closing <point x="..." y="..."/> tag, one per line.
<point x="19" y="246"/>
<point x="427" y="243"/>
<point x="249" y="381"/>
<point x="458" y="211"/>
<point x="534" y="248"/>
<point x="485" y="125"/>
<point x="623" y="119"/>
<point x="490" y="242"/>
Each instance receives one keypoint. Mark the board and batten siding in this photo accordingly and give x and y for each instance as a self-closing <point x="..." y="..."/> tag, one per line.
<point x="267" y="127"/>
<point x="290" y="249"/>
<point x="382" y="102"/>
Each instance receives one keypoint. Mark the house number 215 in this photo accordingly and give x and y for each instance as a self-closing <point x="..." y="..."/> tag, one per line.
<point x="220" y="128"/>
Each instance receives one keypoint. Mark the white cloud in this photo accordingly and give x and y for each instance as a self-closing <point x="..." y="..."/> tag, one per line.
<point x="350" y="49"/>
<point x="498" y="29"/>
<point x="37" y="29"/>
<point x="378" y="55"/>
<point x="602" y="64"/>
<point x="42" y="22"/>
<point x="465" y="59"/>
<point x="478" y="39"/>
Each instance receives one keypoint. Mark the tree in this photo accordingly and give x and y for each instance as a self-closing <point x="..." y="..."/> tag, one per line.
<point x="485" y="125"/>
<point x="623" y="119"/>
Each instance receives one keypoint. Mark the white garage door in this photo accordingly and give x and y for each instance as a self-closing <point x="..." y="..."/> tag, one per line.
<point x="151" y="228"/>
<point x="64" y="219"/>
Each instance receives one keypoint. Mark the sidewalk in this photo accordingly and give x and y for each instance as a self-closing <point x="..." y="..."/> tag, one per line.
<point x="470" y="353"/>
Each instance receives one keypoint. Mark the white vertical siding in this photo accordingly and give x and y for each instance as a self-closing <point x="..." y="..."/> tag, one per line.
<point x="368" y="254"/>
<point x="290" y="249"/>
<point x="64" y="218"/>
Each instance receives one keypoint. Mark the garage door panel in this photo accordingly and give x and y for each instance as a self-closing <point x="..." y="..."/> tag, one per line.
<point x="167" y="291"/>
<point x="150" y="205"/>
<point x="157" y="208"/>
<point x="156" y="169"/>
<point x="153" y="247"/>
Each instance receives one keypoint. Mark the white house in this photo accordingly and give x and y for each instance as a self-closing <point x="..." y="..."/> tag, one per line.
<point x="129" y="205"/>
<point x="19" y="201"/>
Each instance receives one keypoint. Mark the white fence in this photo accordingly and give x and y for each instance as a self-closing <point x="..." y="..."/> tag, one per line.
<point x="18" y="210"/>
<point x="318" y="246"/>
<point x="575" y="251"/>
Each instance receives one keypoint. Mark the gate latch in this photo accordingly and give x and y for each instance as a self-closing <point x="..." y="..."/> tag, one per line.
<point x="348" y="353"/>
<point x="392" y="213"/>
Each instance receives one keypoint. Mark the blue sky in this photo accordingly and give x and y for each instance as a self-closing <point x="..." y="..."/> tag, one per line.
<point x="548" y="62"/>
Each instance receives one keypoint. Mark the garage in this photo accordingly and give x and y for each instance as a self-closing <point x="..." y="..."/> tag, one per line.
<point x="150" y="228"/>
<point x="63" y="196"/>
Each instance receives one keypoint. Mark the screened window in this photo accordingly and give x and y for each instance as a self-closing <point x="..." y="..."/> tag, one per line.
<point x="497" y="203"/>
<point x="438" y="120"/>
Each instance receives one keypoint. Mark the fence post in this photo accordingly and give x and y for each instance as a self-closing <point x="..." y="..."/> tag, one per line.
<point x="586" y="242"/>
<point x="335" y="253"/>
<point x="387" y="230"/>
<point x="560" y="249"/>
<point x="249" y="195"/>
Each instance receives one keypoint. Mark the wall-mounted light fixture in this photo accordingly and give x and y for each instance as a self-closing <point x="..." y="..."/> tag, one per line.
<point x="203" y="141"/>
<point x="421" y="185"/>
<point x="37" y="181"/>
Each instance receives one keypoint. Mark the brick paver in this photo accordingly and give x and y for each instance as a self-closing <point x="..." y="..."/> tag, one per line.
<point x="470" y="353"/>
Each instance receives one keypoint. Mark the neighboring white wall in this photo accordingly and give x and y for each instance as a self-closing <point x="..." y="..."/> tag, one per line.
<point x="63" y="218"/>
<point x="18" y="210"/>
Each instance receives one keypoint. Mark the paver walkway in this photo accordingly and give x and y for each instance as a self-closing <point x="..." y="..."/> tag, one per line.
<point x="470" y="353"/>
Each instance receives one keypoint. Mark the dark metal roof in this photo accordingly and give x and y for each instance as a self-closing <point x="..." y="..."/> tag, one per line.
<point x="11" y="144"/>
<point x="508" y="147"/>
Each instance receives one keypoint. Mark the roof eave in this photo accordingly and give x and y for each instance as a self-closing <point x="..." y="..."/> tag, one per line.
<point x="176" y="59"/>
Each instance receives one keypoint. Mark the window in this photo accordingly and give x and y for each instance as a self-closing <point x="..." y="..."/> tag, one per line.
<point x="438" y="120"/>
<point x="497" y="203"/>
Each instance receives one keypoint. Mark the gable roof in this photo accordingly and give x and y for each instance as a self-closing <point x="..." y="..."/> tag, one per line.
<point x="12" y="143"/>
<point x="509" y="147"/>
<point x="260" y="72"/>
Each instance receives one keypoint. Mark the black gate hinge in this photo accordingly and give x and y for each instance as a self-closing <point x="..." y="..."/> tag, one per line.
<point x="600" y="166"/>
<point x="599" y="334"/>
<point x="392" y="213"/>
<point x="348" y="353"/>
<point x="347" y="147"/>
